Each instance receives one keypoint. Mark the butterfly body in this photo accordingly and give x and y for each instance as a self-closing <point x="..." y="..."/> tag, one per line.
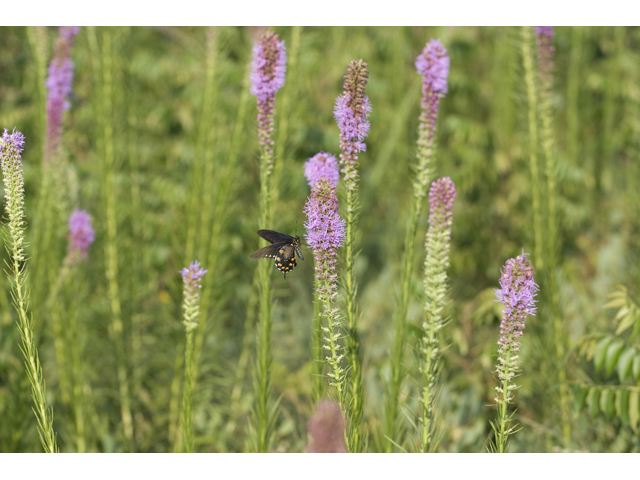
<point x="283" y="250"/>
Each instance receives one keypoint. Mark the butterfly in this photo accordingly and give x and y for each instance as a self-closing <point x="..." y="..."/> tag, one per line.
<point x="283" y="250"/>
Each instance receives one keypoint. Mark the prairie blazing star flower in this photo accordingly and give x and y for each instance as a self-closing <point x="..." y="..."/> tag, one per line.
<point x="192" y="279"/>
<point x="59" y="86"/>
<point x="351" y="112"/>
<point x="267" y="77"/>
<point x="517" y="294"/>
<point x="322" y="165"/>
<point x="11" y="146"/>
<point x="326" y="428"/>
<point x="326" y="233"/>
<point x="544" y="40"/>
<point x="437" y="244"/>
<point x="81" y="235"/>
<point x="433" y="65"/>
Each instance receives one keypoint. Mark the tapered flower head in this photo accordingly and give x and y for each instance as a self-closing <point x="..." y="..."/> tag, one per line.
<point x="322" y="165"/>
<point x="192" y="279"/>
<point x="441" y="197"/>
<point x="12" y="144"/>
<point x="352" y="108"/>
<point x="268" y="66"/>
<point x="517" y="293"/>
<point x="58" y="84"/>
<point x="433" y="65"/>
<point x="192" y="276"/>
<point x="326" y="428"/>
<point x="544" y="40"/>
<point x="81" y="235"/>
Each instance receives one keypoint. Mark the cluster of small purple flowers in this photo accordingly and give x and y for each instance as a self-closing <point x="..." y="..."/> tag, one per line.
<point x="544" y="40"/>
<point x="192" y="279"/>
<point x="267" y="77"/>
<point x="433" y="65"/>
<point x="325" y="232"/>
<point x="14" y="142"/>
<point x="81" y="235"/>
<point x="326" y="428"/>
<point x="351" y="112"/>
<point x="59" y="86"/>
<point x="517" y="293"/>
<point x="441" y="197"/>
<point x="11" y="146"/>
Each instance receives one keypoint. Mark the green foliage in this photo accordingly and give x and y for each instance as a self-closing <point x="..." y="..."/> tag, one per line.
<point x="160" y="76"/>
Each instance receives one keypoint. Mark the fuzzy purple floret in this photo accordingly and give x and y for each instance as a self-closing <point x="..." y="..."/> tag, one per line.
<point x="433" y="65"/>
<point x="81" y="234"/>
<point x="441" y="197"/>
<point x="268" y="67"/>
<point x="326" y="428"/>
<point x="192" y="276"/>
<point x="544" y="40"/>
<point x="517" y="294"/>
<point x="14" y="139"/>
<point x="546" y="31"/>
<point x="322" y="165"/>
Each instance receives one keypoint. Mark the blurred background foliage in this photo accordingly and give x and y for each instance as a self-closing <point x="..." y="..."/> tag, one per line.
<point x="159" y="80"/>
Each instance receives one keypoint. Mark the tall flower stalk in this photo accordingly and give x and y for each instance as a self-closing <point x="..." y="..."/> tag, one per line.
<point x="192" y="279"/>
<point x="437" y="244"/>
<point x="11" y="146"/>
<point x="433" y="65"/>
<point x="532" y="97"/>
<point x="58" y="85"/>
<point x="351" y="112"/>
<point x="267" y="77"/>
<point x="517" y="293"/>
<point x="325" y="233"/>
<point x="544" y="41"/>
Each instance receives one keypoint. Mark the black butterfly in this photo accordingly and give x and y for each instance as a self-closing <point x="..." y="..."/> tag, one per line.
<point x="284" y="250"/>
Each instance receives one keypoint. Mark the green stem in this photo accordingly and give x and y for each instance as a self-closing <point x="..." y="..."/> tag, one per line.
<point x="533" y="144"/>
<point x="111" y="250"/>
<point x="187" y="434"/>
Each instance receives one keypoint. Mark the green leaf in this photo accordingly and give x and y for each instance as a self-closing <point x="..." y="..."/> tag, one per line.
<point x="634" y="410"/>
<point x="625" y="362"/>
<point x="608" y="403"/>
<point x="623" y="405"/>
<point x="626" y="322"/>
<point x="636" y="367"/>
<point x="613" y="352"/>
<point x="594" y="402"/>
<point x="580" y="395"/>
<point x="600" y="353"/>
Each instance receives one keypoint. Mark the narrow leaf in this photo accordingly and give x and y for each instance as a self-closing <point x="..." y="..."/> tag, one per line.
<point x="625" y="362"/>
<point x="580" y="394"/>
<point x="609" y="403"/>
<point x="623" y="405"/>
<point x="634" y="410"/>
<point x="636" y="367"/>
<point x="613" y="352"/>
<point x="600" y="353"/>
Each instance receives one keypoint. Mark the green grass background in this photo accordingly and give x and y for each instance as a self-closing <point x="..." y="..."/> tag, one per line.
<point x="482" y="145"/>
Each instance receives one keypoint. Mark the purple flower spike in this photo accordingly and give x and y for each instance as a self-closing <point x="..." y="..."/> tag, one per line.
<point x="544" y="40"/>
<point x="441" y="197"/>
<point x="81" y="235"/>
<point x="351" y="112"/>
<point x="322" y="165"/>
<point x="59" y="86"/>
<point x="326" y="428"/>
<point x="433" y="65"/>
<point x="517" y="293"/>
<point x="267" y="77"/>
<point x="14" y="141"/>
<point x="192" y="279"/>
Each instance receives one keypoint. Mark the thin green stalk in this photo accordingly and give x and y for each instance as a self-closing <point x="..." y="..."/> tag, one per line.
<point x="355" y="441"/>
<point x="574" y="80"/>
<point x="187" y="427"/>
<point x="533" y="144"/>
<point x="174" y="402"/>
<point x="317" y="369"/>
<point x="552" y="253"/>
<point x="111" y="247"/>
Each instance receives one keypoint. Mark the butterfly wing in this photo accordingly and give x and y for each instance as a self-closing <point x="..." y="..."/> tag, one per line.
<point x="285" y="258"/>
<point x="275" y="237"/>
<point x="270" y="251"/>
